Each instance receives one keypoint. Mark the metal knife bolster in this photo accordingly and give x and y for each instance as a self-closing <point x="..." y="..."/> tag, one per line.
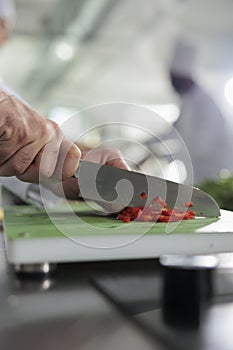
<point x="118" y="187"/>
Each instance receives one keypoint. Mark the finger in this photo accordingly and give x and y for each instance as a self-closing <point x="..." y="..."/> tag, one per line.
<point x="30" y="175"/>
<point x="68" y="160"/>
<point x="48" y="158"/>
<point x="118" y="163"/>
<point x="45" y="161"/>
<point x="112" y="157"/>
<point x="35" y="172"/>
<point x="9" y="144"/>
<point x="31" y="154"/>
<point x="20" y="160"/>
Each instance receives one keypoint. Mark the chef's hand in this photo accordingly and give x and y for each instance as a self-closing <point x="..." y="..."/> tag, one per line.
<point x="100" y="155"/>
<point x="108" y="156"/>
<point x="32" y="147"/>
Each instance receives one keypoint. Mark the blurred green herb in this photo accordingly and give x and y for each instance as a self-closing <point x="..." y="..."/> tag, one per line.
<point x="221" y="190"/>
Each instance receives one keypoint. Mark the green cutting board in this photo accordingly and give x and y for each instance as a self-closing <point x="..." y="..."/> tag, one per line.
<point x="37" y="223"/>
<point x="77" y="232"/>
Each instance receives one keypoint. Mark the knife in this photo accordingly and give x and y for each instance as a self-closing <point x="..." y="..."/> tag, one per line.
<point x="120" y="188"/>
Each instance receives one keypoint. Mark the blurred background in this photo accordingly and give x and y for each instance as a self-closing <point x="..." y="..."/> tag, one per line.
<point x="75" y="53"/>
<point x="67" y="55"/>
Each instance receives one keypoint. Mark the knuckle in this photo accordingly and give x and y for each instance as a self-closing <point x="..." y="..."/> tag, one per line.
<point x="75" y="151"/>
<point x="50" y="130"/>
<point x="45" y="130"/>
<point x="22" y="136"/>
<point x="111" y="154"/>
<point x="6" y="133"/>
<point x="115" y="153"/>
<point x="112" y="151"/>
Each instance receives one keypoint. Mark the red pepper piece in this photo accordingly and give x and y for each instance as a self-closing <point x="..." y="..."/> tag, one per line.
<point x="120" y="217"/>
<point x="179" y="216"/>
<point x="167" y="212"/>
<point x="189" y="215"/>
<point x="188" y="204"/>
<point x="126" y="219"/>
<point x="146" y="218"/>
<point x="161" y="202"/>
<point x="143" y="195"/>
<point x="163" y="218"/>
<point x="138" y="213"/>
<point x="156" y="211"/>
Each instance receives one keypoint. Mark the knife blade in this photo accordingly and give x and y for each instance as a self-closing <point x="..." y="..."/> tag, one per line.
<point x="120" y="188"/>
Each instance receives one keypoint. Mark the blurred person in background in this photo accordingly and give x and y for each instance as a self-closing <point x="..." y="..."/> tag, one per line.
<point x="32" y="147"/>
<point x="201" y="123"/>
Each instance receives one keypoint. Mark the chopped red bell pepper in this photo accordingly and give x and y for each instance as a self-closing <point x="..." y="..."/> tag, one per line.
<point x="188" y="204"/>
<point x="156" y="211"/>
<point x="143" y="195"/>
